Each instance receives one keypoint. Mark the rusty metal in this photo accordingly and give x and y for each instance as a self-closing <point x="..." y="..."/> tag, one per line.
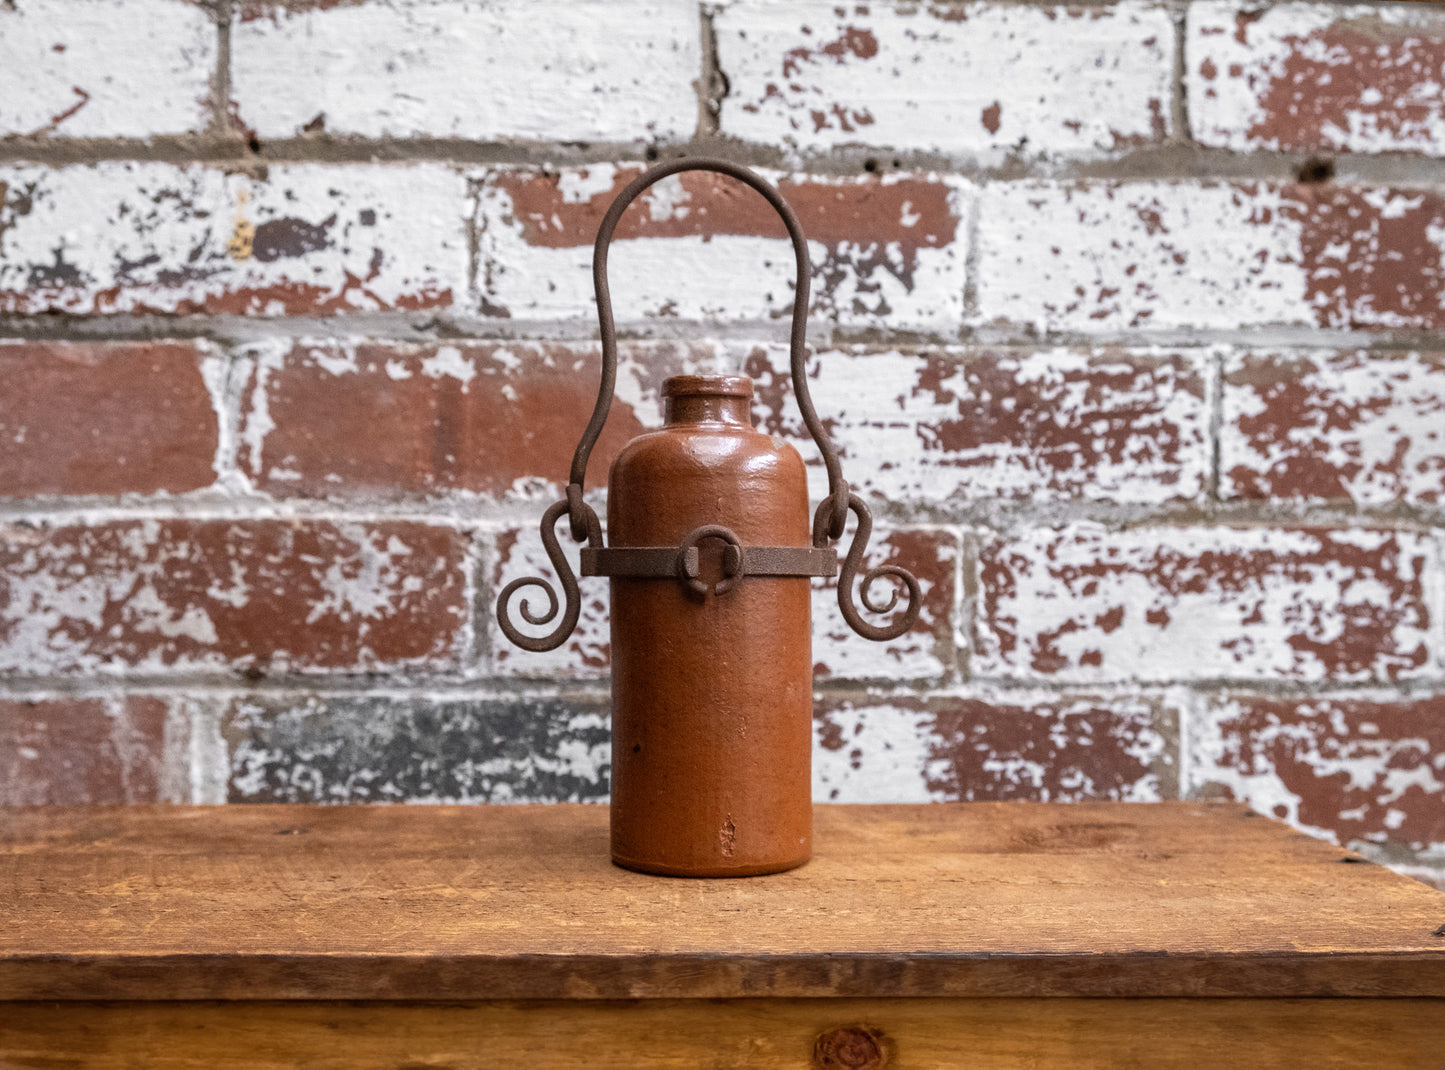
<point x="658" y="562"/>
<point x="713" y="547"/>
<point x="832" y="513"/>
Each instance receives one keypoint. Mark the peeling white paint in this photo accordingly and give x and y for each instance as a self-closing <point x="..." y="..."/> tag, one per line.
<point x="725" y="276"/>
<point x="448" y="361"/>
<point x="882" y="760"/>
<point x="1229" y="68"/>
<point x="147" y="612"/>
<point x="1153" y="255"/>
<point x="553" y="70"/>
<point x="1375" y="422"/>
<point x="105" y="68"/>
<point x="129" y="237"/>
<point x="1328" y="752"/>
<point x="984" y="78"/>
<point x="1165" y="604"/>
<point x="896" y="417"/>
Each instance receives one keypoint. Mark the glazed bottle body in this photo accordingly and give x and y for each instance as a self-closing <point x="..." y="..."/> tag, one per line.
<point x="711" y="696"/>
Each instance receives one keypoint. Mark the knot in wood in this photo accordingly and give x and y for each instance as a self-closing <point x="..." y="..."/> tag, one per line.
<point x="853" y="1047"/>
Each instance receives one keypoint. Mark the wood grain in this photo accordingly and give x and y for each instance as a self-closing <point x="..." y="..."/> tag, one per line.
<point x="1004" y="900"/>
<point x="913" y="1034"/>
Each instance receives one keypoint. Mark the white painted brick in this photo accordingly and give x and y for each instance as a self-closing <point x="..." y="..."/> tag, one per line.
<point x="1365" y="769"/>
<point x="958" y="424"/>
<point x="1118" y="255"/>
<point x="1171" y="604"/>
<point x="554" y="70"/>
<point x="1145" y="254"/>
<point x="872" y="753"/>
<point x="308" y="239"/>
<point x="1302" y="77"/>
<point x="1367" y="427"/>
<point x="980" y="78"/>
<point x="988" y="744"/>
<point x="105" y="68"/>
<point x="891" y="253"/>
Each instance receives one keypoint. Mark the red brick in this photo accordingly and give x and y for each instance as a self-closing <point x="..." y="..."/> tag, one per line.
<point x="1365" y="427"/>
<point x="263" y="595"/>
<point x="1317" y="77"/>
<point x="1165" y="604"/>
<point x="81" y="751"/>
<point x="953" y="424"/>
<point x="1008" y="747"/>
<point x="1371" y="257"/>
<point x="886" y="249"/>
<point x="372" y="418"/>
<point x="1366" y="768"/>
<point x="1094" y="256"/>
<point x="104" y="418"/>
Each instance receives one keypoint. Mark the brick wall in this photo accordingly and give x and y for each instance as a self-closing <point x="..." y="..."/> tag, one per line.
<point x="1129" y="318"/>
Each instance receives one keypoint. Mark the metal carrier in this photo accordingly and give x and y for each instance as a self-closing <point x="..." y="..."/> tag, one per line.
<point x="681" y="562"/>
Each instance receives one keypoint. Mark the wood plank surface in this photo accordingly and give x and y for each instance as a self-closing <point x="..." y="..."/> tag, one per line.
<point x="905" y="1034"/>
<point x="1008" y="900"/>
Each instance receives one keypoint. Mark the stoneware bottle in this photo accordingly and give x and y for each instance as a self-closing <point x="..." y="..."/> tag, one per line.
<point x="710" y="554"/>
<point x="712" y="698"/>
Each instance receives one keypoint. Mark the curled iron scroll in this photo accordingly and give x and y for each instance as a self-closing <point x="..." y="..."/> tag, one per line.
<point x="572" y="594"/>
<point x="846" y="575"/>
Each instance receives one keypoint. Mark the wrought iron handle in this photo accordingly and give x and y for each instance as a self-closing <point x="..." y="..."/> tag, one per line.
<point x="837" y="486"/>
<point x="832" y="513"/>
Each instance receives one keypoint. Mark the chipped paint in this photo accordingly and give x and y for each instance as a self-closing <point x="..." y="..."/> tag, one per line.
<point x="1350" y="768"/>
<point x="884" y="249"/>
<point x="1093" y="256"/>
<point x="587" y="653"/>
<point x="174" y="595"/>
<point x="926" y="651"/>
<point x="818" y="76"/>
<point x="1007" y="746"/>
<point x="549" y="70"/>
<point x="487" y="418"/>
<point x="1167" y="604"/>
<point x="105" y="68"/>
<point x="1364" y="427"/>
<point x="144" y="237"/>
<point x="1317" y="77"/>
<point x="408" y="748"/>
<point x="955" y="425"/>
<point x="1111" y="255"/>
<point x="1371" y="257"/>
<point x="67" y="751"/>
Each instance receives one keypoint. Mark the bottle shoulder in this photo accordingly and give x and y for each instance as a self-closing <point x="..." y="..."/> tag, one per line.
<point x="708" y="446"/>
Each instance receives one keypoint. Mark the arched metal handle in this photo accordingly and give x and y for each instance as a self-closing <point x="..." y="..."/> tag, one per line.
<point x="837" y="486"/>
<point x="832" y="513"/>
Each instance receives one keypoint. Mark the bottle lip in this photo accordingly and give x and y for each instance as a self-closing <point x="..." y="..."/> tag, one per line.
<point x="728" y="386"/>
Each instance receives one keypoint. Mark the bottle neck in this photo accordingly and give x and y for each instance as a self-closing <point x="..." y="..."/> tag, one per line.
<point x="697" y="399"/>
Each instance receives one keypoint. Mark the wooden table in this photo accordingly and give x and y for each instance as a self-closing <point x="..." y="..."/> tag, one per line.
<point x="978" y="936"/>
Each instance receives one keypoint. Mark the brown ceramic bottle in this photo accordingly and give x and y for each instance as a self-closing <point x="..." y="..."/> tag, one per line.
<point x="711" y="694"/>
